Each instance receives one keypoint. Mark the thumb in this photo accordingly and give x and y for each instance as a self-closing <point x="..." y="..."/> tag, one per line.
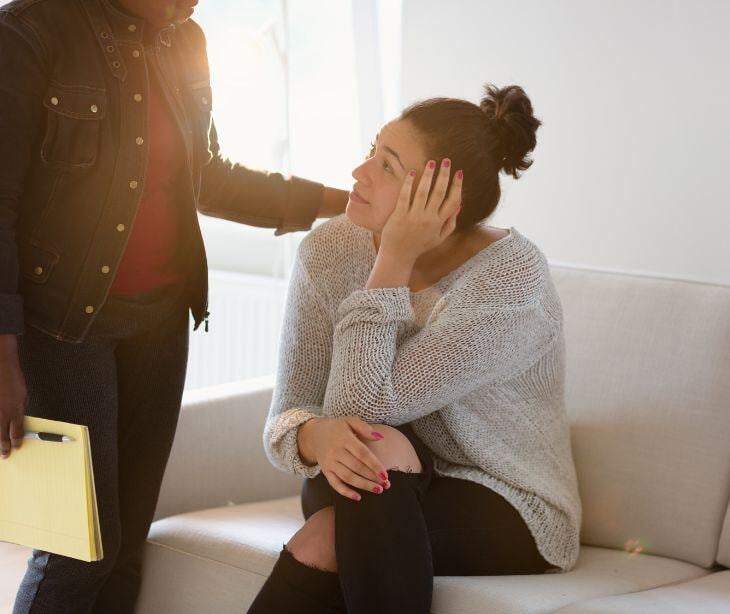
<point x="363" y="430"/>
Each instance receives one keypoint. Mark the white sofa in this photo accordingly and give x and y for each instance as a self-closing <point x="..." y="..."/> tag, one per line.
<point x="648" y="396"/>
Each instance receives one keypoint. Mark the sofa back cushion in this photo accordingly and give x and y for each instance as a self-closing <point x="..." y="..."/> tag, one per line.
<point x="648" y="398"/>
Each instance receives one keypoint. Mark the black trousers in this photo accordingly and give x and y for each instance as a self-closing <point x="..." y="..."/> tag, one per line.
<point x="389" y="546"/>
<point x="125" y="382"/>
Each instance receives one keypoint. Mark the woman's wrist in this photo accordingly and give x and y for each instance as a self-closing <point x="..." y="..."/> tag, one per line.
<point x="391" y="269"/>
<point x="9" y="349"/>
<point x="304" y="442"/>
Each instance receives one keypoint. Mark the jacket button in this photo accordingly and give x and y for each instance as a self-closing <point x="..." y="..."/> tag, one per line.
<point x="133" y="184"/>
<point x="94" y="108"/>
<point x="54" y="101"/>
<point x="204" y="100"/>
<point x="139" y="140"/>
<point x="120" y="227"/>
<point x="38" y="270"/>
<point x="89" y="309"/>
<point x="105" y="269"/>
<point x="131" y="27"/>
<point x="135" y="53"/>
<point x="138" y="97"/>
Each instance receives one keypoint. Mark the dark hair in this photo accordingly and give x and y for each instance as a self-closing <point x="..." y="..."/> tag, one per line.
<point x="481" y="140"/>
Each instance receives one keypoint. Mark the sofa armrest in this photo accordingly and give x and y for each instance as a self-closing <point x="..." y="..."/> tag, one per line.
<point x="218" y="456"/>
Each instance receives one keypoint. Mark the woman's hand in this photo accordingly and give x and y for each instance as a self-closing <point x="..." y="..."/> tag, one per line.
<point x="13" y="396"/>
<point x="336" y="445"/>
<point x="418" y="226"/>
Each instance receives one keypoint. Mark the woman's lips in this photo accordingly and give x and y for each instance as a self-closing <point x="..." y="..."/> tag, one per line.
<point x="354" y="196"/>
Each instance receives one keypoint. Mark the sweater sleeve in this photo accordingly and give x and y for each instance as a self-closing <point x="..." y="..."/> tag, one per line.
<point x="460" y="350"/>
<point x="305" y="351"/>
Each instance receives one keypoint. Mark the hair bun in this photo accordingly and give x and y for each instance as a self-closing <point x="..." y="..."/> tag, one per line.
<point x="511" y="127"/>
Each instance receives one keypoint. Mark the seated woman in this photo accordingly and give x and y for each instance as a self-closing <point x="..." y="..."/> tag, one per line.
<point x="420" y="379"/>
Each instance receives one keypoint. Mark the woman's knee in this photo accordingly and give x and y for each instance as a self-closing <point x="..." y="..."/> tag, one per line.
<point x="314" y="543"/>
<point x="395" y="450"/>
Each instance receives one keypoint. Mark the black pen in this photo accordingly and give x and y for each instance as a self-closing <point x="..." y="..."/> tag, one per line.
<point x="47" y="437"/>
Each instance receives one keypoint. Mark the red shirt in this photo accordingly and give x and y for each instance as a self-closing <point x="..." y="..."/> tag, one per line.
<point x="149" y="260"/>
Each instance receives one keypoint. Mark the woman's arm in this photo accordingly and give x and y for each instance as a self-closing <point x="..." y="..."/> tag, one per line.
<point x="461" y="350"/>
<point x="303" y="366"/>
<point x="296" y="438"/>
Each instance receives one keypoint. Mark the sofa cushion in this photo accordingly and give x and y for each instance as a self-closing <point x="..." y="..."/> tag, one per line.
<point x="648" y="396"/>
<point x="708" y="595"/>
<point x="216" y="560"/>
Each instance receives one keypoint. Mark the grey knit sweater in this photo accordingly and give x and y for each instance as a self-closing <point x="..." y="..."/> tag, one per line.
<point x="475" y="363"/>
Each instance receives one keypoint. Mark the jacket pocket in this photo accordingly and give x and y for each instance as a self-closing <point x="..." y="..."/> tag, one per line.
<point x="202" y="99"/>
<point x="74" y="114"/>
<point x="36" y="262"/>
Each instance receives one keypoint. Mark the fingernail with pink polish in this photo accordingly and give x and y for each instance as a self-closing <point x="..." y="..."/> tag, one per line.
<point x="446" y="163"/>
<point x="356" y="497"/>
<point x="459" y="174"/>
<point x="377" y="489"/>
<point x="378" y="435"/>
<point x="431" y="164"/>
<point x="383" y="475"/>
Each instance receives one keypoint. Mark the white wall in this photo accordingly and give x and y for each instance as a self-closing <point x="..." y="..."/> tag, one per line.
<point x="632" y="169"/>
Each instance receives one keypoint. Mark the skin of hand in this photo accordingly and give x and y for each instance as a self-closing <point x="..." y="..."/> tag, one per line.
<point x="336" y="445"/>
<point x="13" y="396"/>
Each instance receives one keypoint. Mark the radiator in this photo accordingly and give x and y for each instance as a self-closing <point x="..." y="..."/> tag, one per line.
<point x="245" y="319"/>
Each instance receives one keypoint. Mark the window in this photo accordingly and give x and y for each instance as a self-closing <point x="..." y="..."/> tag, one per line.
<point x="289" y="80"/>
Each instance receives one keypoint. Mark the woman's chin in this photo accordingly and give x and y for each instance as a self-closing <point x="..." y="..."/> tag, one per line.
<point x="357" y="213"/>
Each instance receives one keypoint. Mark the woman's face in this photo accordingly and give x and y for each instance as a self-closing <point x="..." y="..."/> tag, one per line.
<point x="397" y="149"/>
<point x="161" y="13"/>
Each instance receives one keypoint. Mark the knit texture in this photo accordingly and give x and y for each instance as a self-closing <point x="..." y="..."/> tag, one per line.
<point x="476" y="364"/>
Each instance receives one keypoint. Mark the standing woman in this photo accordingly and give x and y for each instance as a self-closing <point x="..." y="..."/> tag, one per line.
<point x="421" y="373"/>
<point x="106" y="150"/>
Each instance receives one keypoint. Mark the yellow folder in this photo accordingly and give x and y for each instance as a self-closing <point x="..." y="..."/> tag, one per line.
<point x="47" y="493"/>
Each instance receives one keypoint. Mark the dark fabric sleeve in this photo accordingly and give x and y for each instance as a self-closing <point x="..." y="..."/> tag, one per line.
<point x="22" y="87"/>
<point x="258" y="198"/>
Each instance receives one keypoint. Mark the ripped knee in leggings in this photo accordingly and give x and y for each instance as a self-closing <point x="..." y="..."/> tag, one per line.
<point x="310" y="565"/>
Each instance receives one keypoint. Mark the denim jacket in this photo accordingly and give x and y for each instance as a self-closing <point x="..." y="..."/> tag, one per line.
<point x="73" y="158"/>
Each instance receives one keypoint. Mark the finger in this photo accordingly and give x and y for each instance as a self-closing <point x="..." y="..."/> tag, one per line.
<point x="16" y="432"/>
<point x="424" y="186"/>
<point x="453" y="199"/>
<point x="363" y="429"/>
<point x="361" y="468"/>
<point x="4" y="439"/>
<point x="404" y="198"/>
<point x="438" y="193"/>
<point x="354" y="479"/>
<point x="340" y="486"/>
<point x="366" y="456"/>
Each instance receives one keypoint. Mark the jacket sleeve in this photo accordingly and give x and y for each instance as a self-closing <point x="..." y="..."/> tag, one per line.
<point x="460" y="350"/>
<point x="22" y="87"/>
<point x="305" y="350"/>
<point x="258" y="198"/>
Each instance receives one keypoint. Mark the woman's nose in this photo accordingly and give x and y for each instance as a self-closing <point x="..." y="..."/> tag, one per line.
<point x="361" y="173"/>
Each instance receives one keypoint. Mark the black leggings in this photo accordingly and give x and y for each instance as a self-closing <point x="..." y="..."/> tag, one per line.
<point x="389" y="546"/>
